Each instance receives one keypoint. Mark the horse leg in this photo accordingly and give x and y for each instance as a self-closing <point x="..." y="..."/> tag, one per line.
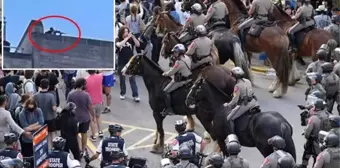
<point x="159" y="147"/>
<point x="155" y="141"/>
<point x="294" y="75"/>
<point x="190" y="122"/>
<point x="273" y="86"/>
<point x="279" y="90"/>
<point x="240" y="59"/>
<point x="220" y="147"/>
<point x="264" y="148"/>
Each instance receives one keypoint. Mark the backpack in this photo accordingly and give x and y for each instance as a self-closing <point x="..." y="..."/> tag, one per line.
<point x="23" y="86"/>
<point x="325" y="123"/>
<point x="15" y="113"/>
<point x="234" y="164"/>
<point x="330" y="87"/>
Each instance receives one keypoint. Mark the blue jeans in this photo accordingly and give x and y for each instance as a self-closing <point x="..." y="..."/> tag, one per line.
<point x="122" y="84"/>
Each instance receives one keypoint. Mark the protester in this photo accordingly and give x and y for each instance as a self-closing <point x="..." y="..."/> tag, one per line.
<point x="108" y="82"/>
<point x="135" y="23"/>
<point x="68" y="76"/>
<point x="28" y="86"/>
<point x="13" y="98"/>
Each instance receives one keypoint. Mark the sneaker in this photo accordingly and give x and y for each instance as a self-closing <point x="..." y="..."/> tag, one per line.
<point x="136" y="99"/>
<point x="106" y="110"/>
<point x="122" y="97"/>
<point x="101" y="134"/>
<point x="93" y="138"/>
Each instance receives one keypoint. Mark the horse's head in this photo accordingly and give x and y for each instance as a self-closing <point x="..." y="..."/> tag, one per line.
<point x="134" y="66"/>
<point x="280" y="15"/>
<point x="169" y="41"/>
<point x="142" y="65"/>
<point x="195" y="94"/>
<point x="166" y="23"/>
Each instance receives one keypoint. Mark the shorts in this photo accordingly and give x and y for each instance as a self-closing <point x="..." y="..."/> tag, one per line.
<point x="108" y="81"/>
<point x="83" y="127"/>
<point x="51" y="125"/>
<point x="98" y="109"/>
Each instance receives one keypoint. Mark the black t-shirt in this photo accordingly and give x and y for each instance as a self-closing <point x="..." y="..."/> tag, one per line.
<point x="125" y="52"/>
<point x="51" y="77"/>
<point x="10" y="78"/>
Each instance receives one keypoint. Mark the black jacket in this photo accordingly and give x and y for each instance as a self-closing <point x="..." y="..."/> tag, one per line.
<point x="68" y="125"/>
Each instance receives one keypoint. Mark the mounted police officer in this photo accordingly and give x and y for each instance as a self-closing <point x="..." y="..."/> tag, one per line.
<point x="215" y="160"/>
<point x="330" y="157"/>
<point x="318" y="121"/>
<point x="217" y="11"/>
<point x="185" y="154"/>
<point x="331" y="83"/>
<point x="107" y="145"/>
<point x="335" y="124"/>
<point x="233" y="148"/>
<point x="314" y="82"/>
<point x="9" y="152"/>
<point x="181" y="72"/>
<point x="117" y="159"/>
<point x="243" y="99"/>
<point x="279" y="158"/>
<point x="316" y="66"/>
<point x="58" y="157"/>
<point x="190" y="139"/>
<point x="196" y="18"/>
<point x="200" y="49"/>
<point x="259" y="12"/>
<point x="304" y="15"/>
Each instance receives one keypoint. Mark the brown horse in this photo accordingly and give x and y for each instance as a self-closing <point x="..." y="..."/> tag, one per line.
<point x="272" y="40"/>
<point x="166" y="23"/>
<point x="309" y="40"/>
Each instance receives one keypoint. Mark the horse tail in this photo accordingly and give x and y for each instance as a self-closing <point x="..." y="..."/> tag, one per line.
<point x="241" y="59"/>
<point x="215" y="56"/>
<point x="287" y="135"/>
<point x="283" y="64"/>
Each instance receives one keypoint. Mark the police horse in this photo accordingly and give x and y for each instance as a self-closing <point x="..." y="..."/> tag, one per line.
<point x="260" y="126"/>
<point x="155" y="83"/>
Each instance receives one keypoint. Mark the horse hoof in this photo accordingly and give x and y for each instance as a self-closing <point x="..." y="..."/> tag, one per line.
<point x="157" y="149"/>
<point x="276" y="94"/>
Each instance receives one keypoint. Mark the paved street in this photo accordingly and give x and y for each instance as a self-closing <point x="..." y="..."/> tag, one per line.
<point x="137" y="120"/>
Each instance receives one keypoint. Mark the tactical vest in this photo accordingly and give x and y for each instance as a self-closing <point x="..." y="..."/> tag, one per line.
<point x="8" y="153"/>
<point x="325" y="124"/>
<point x="236" y="164"/>
<point x="331" y="86"/>
<point x="334" y="158"/>
<point x="57" y="159"/>
<point x="189" y="139"/>
<point x="108" y="144"/>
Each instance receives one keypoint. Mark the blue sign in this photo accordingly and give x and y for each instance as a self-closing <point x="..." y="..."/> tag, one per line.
<point x="40" y="147"/>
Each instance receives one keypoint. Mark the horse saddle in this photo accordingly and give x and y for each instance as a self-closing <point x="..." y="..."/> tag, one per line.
<point x="243" y="122"/>
<point x="300" y="35"/>
<point x="255" y="30"/>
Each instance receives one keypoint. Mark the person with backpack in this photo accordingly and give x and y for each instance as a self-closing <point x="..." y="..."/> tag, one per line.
<point x="31" y="119"/>
<point x="19" y="108"/>
<point x="28" y="86"/>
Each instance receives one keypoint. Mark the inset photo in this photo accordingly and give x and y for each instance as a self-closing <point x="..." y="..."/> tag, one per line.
<point x="57" y="34"/>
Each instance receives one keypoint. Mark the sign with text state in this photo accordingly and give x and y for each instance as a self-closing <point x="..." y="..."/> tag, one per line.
<point x="40" y="147"/>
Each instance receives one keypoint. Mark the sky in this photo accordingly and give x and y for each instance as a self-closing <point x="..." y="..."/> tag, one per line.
<point x="95" y="18"/>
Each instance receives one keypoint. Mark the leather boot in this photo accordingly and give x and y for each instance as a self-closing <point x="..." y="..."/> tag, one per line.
<point x="232" y="127"/>
<point x="292" y="43"/>
<point x="168" y="108"/>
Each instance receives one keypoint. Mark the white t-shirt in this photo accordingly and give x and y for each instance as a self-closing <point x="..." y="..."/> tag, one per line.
<point x="28" y="86"/>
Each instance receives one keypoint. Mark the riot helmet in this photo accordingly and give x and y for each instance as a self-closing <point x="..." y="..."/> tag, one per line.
<point x="319" y="104"/>
<point x="216" y="160"/>
<point x="277" y="142"/>
<point x="327" y="67"/>
<point x="115" y="128"/>
<point x="335" y="121"/>
<point x="285" y="160"/>
<point x="12" y="163"/>
<point x="337" y="53"/>
<point x="331" y="140"/>
<point x="313" y="78"/>
<point x="58" y="143"/>
<point x="10" y="138"/>
<point x="237" y="72"/>
<point x="196" y="8"/>
<point x="201" y="30"/>
<point x="185" y="152"/>
<point x="233" y="146"/>
<point x="317" y="94"/>
<point x="322" y="54"/>
<point x="180" y="126"/>
<point x="116" y="154"/>
<point x="178" y="48"/>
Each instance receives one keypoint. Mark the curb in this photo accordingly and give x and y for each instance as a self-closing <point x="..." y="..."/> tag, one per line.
<point x="260" y="69"/>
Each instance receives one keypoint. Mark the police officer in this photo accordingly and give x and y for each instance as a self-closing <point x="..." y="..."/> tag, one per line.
<point x="331" y="83"/>
<point x="190" y="139"/>
<point x="335" y="124"/>
<point x="185" y="154"/>
<point x="215" y="160"/>
<point x="259" y="11"/>
<point x="233" y="148"/>
<point x="106" y="145"/>
<point x="329" y="158"/>
<point x="181" y="71"/>
<point x="243" y="99"/>
<point x="317" y="121"/>
<point x="12" y="163"/>
<point x="316" y="66"/>
<point x="58" y="158"/>
<point x="117" y="159"/>
<point x="334" y="28"/>
<point x="314" y="82"/>
<point x="337" y="58"/>
<point x="217" y="11"/>
<point x="304" y="15"/>
<point x="196" y="18"/>
<point x="279" y="158"/>
<point x="200" y="49"/>
<point x="9" y="152"/>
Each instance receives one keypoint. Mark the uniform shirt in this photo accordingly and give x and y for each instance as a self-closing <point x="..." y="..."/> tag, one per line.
<point x="242" y="89"/>
<point x="200" y="47"/>
<point x="60" y="159"/>
<point x="334" y="29"/>
<point x="331" y="83"/>
<point x="181" y="66"/>
<point x="329" y="158"/>
<point x="315" y="67"/>
<point x="114" y="144"/>
<point x="306" y="11"/>
<point x="217" y="10"/>
<point x="194" y="20"/>
<point x="271" y="161"/>
<point x="235" y="161"/>
<point x="261" y="9"/>
<point x="314" y="125"/>
<point x="191" y="138"/>
<point x="185" y="164"/>
<point x="10" y="153"/>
